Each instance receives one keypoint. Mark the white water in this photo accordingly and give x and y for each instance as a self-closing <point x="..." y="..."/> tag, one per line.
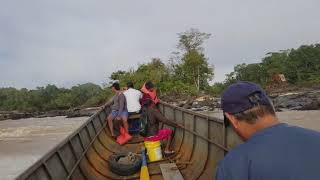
<point x="24" y="141"/>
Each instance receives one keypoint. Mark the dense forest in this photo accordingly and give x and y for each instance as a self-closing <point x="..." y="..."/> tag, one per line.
<point x="300" y="67"/>
<point x="51" y="97"/>
<point x="186" y="72"/>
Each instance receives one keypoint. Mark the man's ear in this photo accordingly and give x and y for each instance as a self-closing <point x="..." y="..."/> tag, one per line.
<point x="233" y="120"/>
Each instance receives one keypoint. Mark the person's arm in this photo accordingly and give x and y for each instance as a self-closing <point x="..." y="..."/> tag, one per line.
<point x="108" y="103"/>
<point x="163" y="119"/>
<point x="122" y="100"/>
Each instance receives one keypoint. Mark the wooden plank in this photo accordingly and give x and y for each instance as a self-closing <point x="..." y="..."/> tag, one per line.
<point x="170" y="171"/>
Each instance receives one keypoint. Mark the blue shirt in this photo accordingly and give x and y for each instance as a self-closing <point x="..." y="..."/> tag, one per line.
<point x="280" y="152"/>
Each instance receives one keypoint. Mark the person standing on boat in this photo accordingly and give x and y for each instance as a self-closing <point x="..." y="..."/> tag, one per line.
<point x="271" y="150"/>
<point x="133" y="98"/>
<point x="118" y="107"/>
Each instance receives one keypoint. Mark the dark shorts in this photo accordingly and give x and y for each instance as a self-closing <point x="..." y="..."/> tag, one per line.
<point x="115" y="114"/>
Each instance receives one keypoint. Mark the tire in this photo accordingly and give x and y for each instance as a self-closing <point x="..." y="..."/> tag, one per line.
<point x="124" y="169"/>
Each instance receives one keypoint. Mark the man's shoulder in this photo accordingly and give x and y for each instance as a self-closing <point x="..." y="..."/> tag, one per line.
<point x="303" y="130"/>
<point x="234" y="164"/>
<point x="286" y="131"/>
<point x="237" y="154"/>
<point x="131" y="90"/>
<point x="121" y="95"/>
<point x="136" y="91"/>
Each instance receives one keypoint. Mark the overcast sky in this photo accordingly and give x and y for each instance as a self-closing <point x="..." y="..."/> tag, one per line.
<point x="69" y="42"/>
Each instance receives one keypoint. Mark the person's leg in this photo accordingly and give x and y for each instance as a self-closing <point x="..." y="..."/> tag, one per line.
<point x="110" y="123"/>
<point x="125" y="123"/>
<point x="166" y="134"/>
<point x="167" y="148"/>
<point x="124" y="117"/>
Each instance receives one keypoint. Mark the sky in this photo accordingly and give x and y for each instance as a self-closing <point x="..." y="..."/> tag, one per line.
<point x="70" y="42"/>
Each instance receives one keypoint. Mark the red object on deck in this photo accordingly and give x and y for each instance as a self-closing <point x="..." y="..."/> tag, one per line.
<point x="124" y="136"/>
<point x="162" y="134"/>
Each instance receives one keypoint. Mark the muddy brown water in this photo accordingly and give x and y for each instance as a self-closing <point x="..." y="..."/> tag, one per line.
<point x="23" y="142"/>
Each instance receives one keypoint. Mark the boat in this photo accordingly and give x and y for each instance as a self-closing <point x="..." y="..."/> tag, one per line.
<point x="83" y="155"/>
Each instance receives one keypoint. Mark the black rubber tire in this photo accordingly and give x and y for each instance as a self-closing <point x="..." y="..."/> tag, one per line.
<point x="124" y="169"/>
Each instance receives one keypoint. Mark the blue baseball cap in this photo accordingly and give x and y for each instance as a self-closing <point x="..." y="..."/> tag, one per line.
<point x="242" y="96"/>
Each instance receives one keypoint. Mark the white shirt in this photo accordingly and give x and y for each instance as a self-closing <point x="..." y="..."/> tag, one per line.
<point x="133" y="97"/>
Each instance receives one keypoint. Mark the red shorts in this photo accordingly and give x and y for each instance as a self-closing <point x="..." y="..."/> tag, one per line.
<point x="162" y="134"/>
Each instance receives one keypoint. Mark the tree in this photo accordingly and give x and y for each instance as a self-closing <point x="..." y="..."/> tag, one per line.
<point x="193" y="68"/>
<point x="299" y="66"/>
<point x="155" y="71"/>
<point x="192" y="40"/>
<point x="303" y="64"/>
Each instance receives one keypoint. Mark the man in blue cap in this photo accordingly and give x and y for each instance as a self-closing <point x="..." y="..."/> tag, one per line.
<point x="272" y="150"/>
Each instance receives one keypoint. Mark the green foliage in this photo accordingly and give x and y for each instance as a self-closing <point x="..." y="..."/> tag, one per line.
<point x="216" y="89"/>
<point x="50" y="97"/>
<point x="155" y="71"/>
<point x="300" y="66"/>
<point x="304" y="64"/>
<point x="246" y="72"/>
<point x="193" y="68"/>
<point x="177" y="87"/>
<point x="189" y="74"/>
<point x="192" y="40"/>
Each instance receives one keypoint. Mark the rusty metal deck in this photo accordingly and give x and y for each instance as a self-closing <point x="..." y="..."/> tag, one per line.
<point x="84" y="154"/>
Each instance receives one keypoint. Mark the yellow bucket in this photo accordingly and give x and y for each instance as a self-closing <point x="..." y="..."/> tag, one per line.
<point x="153" y="150"/>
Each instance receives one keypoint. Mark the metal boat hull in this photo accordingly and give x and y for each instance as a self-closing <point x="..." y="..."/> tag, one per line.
<point x="83" y="155"/>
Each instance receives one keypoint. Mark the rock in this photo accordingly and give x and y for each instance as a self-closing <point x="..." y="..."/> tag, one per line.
<point x="203" y="108"/>
<point x="77" y="112"/>
<point x="181" y="104"/>
<point x="200" y="99"/>
<point x="14" y="115"/>
<point x="298" y="101"/>
<point x="187" y="106"/>
<point x="196" y="104"/>
<point x="315" y="105"/>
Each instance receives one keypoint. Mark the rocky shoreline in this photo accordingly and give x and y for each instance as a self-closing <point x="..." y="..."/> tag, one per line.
<point x="295" y="100"/>
<point x="75" y="112"/>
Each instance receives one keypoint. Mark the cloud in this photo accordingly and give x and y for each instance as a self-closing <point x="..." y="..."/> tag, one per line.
<point x="77" y="41"/>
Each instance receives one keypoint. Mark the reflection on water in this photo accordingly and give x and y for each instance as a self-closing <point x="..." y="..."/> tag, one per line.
<point x="24" y="141"/>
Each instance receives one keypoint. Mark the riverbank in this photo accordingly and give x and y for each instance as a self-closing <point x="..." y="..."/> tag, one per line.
<point x="283" y="99"/>
<point x="293" y="99"/>
<point x="71" y="113"/>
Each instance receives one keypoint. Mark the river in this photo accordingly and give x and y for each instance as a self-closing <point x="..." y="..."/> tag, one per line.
<point x="24" y="141"/>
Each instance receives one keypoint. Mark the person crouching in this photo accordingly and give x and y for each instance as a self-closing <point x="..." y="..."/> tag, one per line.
<point x="153" y="131"/>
